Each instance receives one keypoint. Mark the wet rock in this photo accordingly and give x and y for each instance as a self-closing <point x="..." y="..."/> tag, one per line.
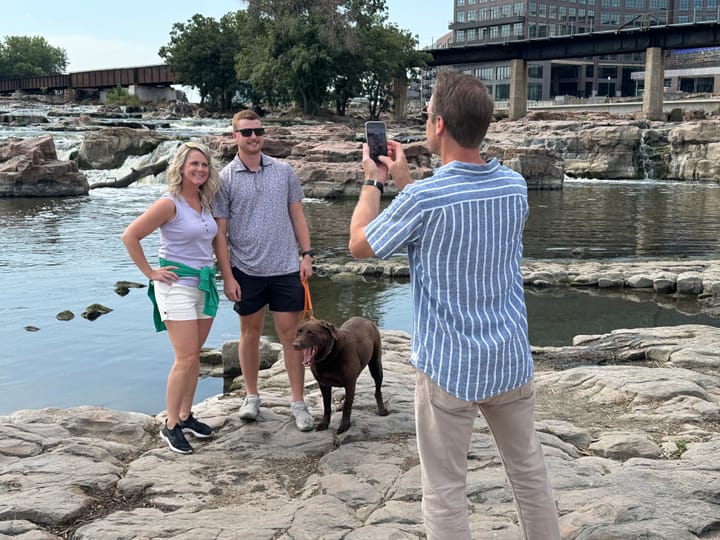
<point x="93" y="311"/>
<point x="66" y="315"/>
<point x="30" y="168"/>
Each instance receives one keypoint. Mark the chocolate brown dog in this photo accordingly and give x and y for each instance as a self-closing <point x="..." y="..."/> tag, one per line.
<point x="336" y="356"/>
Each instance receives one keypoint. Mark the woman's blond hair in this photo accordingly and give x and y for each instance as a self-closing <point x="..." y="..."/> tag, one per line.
<point x="174" y="173"/>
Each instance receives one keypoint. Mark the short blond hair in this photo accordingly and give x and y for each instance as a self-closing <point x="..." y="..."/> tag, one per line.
<point x="245" y="114"/>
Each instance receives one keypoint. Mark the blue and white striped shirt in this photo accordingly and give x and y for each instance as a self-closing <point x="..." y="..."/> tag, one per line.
<point x="463" y="231"/>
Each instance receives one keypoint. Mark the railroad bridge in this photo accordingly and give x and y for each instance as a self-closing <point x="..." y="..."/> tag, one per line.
<point x="149" y="83"/>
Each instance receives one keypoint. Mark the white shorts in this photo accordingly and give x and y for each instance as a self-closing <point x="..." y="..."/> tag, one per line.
<point x="179" y="302"/>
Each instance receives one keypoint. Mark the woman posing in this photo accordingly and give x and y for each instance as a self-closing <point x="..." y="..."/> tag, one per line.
<point x="182" y="287"/>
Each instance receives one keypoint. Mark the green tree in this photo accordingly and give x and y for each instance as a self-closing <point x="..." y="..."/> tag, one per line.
<point x="296" y="42"/>
<point x="390" y="55"/>
<point x="25" y="56"/>
<point x="350" y="63"/>
<point x="202" y="53"/>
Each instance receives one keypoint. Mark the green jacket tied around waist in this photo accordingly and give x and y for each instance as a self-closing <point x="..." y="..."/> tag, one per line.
<point x="207" y="285"/>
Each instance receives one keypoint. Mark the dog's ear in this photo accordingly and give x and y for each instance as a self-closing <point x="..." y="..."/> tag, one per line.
<point x="330" y="328"/>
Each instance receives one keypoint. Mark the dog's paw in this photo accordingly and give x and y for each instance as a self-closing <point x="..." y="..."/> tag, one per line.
<point x="342" y="428"/>
<point x="322" y="426"/>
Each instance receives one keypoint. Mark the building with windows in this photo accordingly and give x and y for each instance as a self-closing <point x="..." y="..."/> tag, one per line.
<point x="482" y="21"/>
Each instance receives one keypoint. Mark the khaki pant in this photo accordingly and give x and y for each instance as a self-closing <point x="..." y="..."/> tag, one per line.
<point x="444" y="427"/>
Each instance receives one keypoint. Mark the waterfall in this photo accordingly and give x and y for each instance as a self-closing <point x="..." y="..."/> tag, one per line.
<point x="647" y="154"/>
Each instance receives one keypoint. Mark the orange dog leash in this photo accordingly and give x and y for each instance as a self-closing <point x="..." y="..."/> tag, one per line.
<point x="308" y="311"/>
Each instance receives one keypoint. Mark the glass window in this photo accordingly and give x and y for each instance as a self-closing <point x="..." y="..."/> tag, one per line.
<point x="502" y="72"/>
<point x="494" y="12"/>
<point x="471" y="34"/>
<point x="502" y="92"/>
<point x="553" y="11"/>
<point x="460" y="35"/>
<point x="535" y="71"/>
<point x="518" y="9"/>
<point x="483" y="14"/>
<point x="506" y="10"/>
<point x="460" y="2"/>
<point x="542" y="11"/>
<point x="460" y="16"/>
<point x="684" y="5"/>
<point x="484" y="74"/>
<point x="518" y="30"/>
<point x="532" y="8"/>
<point x="472" y="15"/>
<point x="535" y="91"/>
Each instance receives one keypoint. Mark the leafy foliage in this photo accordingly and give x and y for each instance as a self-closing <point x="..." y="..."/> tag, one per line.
<point x="120" y="96"/>
<point x="313" y="54"/>
<point x="390" y="53"/>
<point x="202" y="52"/>
<point x="25" y="56"/>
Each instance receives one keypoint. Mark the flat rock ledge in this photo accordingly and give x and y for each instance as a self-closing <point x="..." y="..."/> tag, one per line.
<point x="681" y="280"/>
<point x="631" y="438"/>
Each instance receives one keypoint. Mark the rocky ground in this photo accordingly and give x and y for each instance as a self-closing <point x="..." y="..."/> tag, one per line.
<point x="631" y="438"/>
<point x="630" y="421"/>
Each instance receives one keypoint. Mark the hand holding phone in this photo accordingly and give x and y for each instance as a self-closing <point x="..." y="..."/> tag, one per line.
<point x="376" y="138"/>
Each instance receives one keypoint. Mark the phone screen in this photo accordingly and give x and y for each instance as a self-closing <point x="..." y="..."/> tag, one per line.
<point x="376" y="139"/>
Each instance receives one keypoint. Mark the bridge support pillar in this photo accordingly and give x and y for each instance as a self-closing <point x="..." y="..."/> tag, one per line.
<point x="518" y="89"/>
<point x="654" y="82"/>
<point x="68" y="95"/>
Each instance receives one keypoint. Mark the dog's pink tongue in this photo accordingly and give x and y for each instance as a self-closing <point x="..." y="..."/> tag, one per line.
<point x="308" y="356"/>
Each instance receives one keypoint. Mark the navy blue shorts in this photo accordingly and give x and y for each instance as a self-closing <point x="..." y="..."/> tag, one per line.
<point x="281" y="293"/>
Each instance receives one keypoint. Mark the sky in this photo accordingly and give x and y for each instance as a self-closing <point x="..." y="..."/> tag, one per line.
<point x="102" y="35"/>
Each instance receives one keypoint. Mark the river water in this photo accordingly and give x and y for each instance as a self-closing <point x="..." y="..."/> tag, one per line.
<point x="66" y="254"/>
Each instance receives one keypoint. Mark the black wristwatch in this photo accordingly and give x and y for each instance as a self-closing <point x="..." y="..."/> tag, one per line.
<point x="308" y="252"/>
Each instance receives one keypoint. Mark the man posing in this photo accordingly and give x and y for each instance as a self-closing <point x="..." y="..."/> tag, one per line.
<point x="463" y="231"/>
<point x="260" y="226"/>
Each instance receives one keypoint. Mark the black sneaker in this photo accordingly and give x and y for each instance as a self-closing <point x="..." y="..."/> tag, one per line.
<point x="197" y="428"/>
<point x="176" y="439"/>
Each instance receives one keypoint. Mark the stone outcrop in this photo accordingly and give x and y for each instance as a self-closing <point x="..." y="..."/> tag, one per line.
<point x="696" y="278"/>
<point x="327" y="157"/>
<point x="108" y="148"/>
<point x="30" y="168"/>
<point x="631" y="443"/>
<point x="620" y="148"/>
<point x="543" y="148"/>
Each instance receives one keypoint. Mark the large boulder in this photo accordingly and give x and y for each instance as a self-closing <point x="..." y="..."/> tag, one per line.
<point x="30" y="168"/>
<point x="108" y="148"/>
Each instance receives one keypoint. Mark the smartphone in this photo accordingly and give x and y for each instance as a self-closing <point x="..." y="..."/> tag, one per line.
<point x="377" y="139"/>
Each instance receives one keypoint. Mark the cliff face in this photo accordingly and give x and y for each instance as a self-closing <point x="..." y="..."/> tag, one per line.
<point x="620" y="148"/>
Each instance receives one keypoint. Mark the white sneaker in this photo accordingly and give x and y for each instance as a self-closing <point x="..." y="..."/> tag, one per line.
<point x="303" y="420"/>
<point x="250" y="408"/>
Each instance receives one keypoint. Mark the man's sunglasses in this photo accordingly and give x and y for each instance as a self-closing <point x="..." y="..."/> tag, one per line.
<point x="249" y="131"/>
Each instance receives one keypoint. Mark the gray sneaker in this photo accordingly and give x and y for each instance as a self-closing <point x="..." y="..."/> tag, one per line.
<point x="250" y="408"/>
<point x="303" y="420"/>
